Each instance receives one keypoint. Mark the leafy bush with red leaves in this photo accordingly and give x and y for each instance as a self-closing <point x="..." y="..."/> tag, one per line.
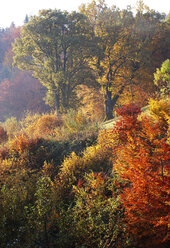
<point x="128" y="110"/>
<point x="22" y="143"/>
<point x="141" y="158"/>
<point x="29" y="152"/>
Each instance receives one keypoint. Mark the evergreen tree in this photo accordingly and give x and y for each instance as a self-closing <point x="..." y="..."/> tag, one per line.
<point x="26" y="20"/>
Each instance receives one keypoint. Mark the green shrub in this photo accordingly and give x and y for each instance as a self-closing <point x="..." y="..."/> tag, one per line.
<point x="12" y="127"/>
<point x="98" y="214"/>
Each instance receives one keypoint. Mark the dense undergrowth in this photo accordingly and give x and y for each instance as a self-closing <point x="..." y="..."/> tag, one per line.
<point x="65" y="183"/>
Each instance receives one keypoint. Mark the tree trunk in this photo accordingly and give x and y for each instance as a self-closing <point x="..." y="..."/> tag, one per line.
<point x="108" y="104"/>
<point x="57" y="105"/>
<point x="46" y="245"/>
<point x="65" y="100"/>
<point x="111" y="102"/>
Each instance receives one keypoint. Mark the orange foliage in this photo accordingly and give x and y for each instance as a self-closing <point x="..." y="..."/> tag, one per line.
<point x="141" y="159"/>
<point x="22" y="143"/>
<point x="27" y="151"/>
<point x="92" y="102"/>
<point x="130" y="110"/>
<point x="47" y="123"/>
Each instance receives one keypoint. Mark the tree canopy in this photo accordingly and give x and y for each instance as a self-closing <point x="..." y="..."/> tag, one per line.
<point x="55" y="46"/>
<point x="132" y="47"/>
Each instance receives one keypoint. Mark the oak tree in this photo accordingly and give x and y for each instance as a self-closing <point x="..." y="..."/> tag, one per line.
<point x="55" y="46"/>
<point x="131" y="48"/>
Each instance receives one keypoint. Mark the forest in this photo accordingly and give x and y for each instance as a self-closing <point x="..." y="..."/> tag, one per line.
<point x="84" y="129"/>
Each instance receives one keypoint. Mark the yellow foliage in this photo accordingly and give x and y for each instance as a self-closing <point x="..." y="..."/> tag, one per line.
<point x="22" y="143"/>
<point x="93" y="158"/>
<point x="47" y="123"/>
<point x="75" y="121"/>
<point x="80" y="118"/>
<point x="92" y="102"/>
<point x="29" y="123"/>
<point x="12" y="126"/>
<point x="160" y="113"/>
<point x="40" y="125"/>
<point x="159" y="109"/>
<point x="74" y="167"/>
<point x="49" y="169"/>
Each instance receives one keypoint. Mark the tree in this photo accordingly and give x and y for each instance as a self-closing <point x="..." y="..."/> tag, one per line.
<point x="130" y="48"/>
<point x="26" y="20"/>
<point x="55" y="46"/>
<point x="162" y="78"/>
<point x="141" y="160"/>
<point x="7" y="36"/>
<point x="108" y="26"/>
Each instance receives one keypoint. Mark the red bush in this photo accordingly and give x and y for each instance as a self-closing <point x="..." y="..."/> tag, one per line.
<point x="128" y="110"/>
